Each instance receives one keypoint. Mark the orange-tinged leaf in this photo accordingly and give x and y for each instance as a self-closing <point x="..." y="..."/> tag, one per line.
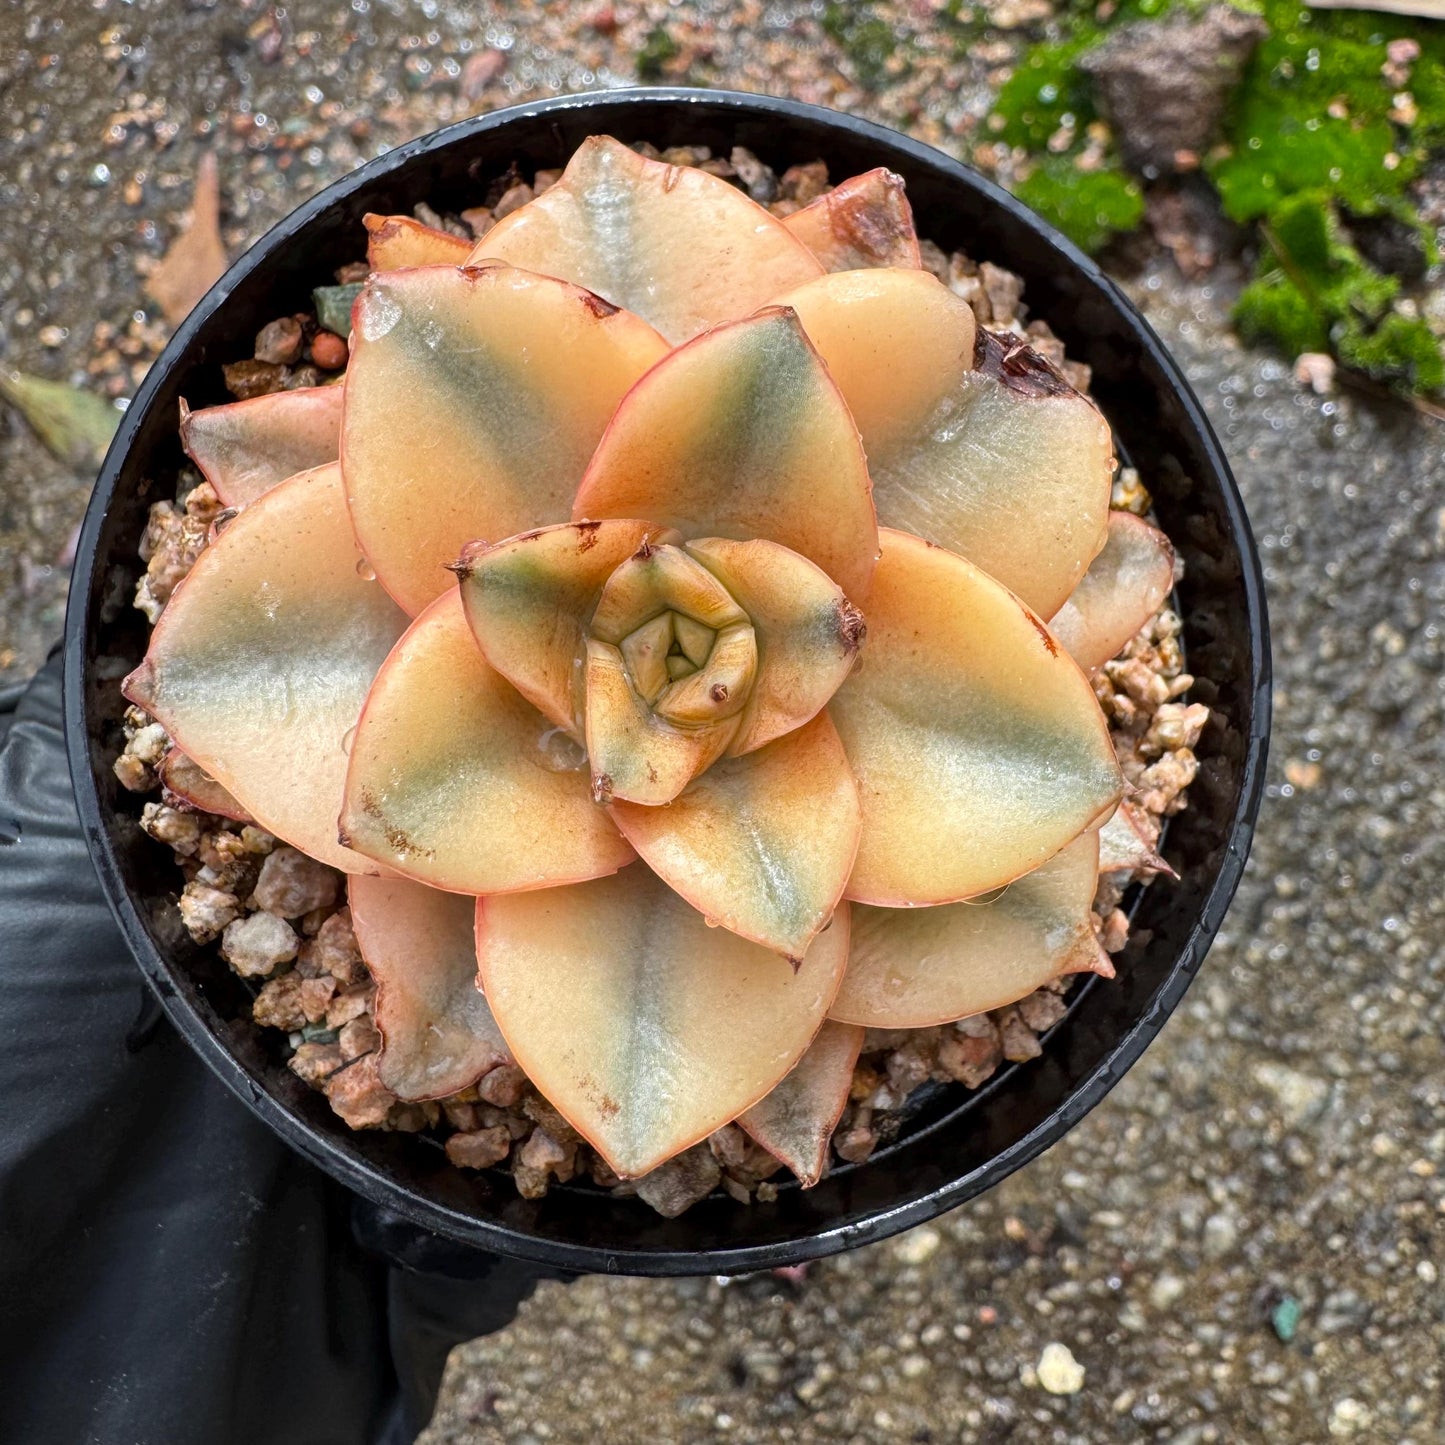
<point x="897" y="342"/>
<point x="192" y="784"/>
<point x="808" y="633"/>
<point x="437" y="1033"/>
<point x="681" y="248"/>
<point x="973" y="440"/>
<point x="633" y="754"/>
<point x="475" y="397"/>
<point x="455" y="779"/>
<point x="865" y="221"/>
<point x="1126" y="584"/>
<point x="196" y="259"/>
<point x="245" y="447"/>
<point x="978" y="745"/>
<point x="529" y="598"/>
<point x="396" y="242"/>
<point x="644" y="1027"/>
<point x="761" y="844"/>
<point x="915" y="967"/>
<point x="263" y="657"/>
<point x="795" y="1122"/>
<point x="742" y="434"/>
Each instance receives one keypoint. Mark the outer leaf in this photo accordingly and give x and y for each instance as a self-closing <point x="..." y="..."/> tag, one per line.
<point x="1126" y="584"/>
<point x="679" y="247"/>
<point x="808" y="633"/>
<point x="245" y="447"/>
<point x="452" y="779"/>
<point x="979" y="748"/>
<point x="633" y="754"/>
<point x="795" y="1122"/>
<point x="762" y="844"/>
<point x="476" y="397"/>
<point x="897" y="342"/>
<point x="262" y="659"/>
<point x="529" y="598"/>
<point x="437" y="1033"/>
<point x="644" y="1027"/>
<point x="180" y="775"/>
<point x="1125" y="846"/>
<point x="396" y="242"/>
<point x="915" y="967"/>
<point x="742" y="434"/>
<point x="1001" y="460"/>
<point x="866" y="221"/>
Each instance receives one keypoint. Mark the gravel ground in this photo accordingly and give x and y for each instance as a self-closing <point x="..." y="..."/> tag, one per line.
<point x="1244" y="1242"/>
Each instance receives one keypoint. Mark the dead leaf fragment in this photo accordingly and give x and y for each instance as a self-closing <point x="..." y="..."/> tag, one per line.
<point x="75" y="425"/>
<point x="197" y="257"/>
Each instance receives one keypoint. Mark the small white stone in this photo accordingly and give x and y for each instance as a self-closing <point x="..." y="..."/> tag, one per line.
<point x="918" y="1246"/>
<point x="1165" y="1291"/>
<point x="1348" y="1417"/>
<point x="1058" y="1371"/>
<point x="254" y="945"/>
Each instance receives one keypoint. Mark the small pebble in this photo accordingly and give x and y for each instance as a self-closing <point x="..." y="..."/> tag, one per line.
<point x="1058" y="1371"/>
<point x="328" y="351"/>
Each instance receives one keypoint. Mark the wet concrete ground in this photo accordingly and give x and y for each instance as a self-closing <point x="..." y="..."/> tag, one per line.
<point x="1244" y="1241"/>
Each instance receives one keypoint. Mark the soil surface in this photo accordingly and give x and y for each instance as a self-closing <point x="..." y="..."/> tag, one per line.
<point x="1244" y="1241"/>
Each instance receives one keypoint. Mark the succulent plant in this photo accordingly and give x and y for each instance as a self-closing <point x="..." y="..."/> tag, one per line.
<point x="548" y="627"/>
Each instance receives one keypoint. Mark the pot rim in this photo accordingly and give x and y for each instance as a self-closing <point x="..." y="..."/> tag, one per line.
<point x="727" y="1257"/>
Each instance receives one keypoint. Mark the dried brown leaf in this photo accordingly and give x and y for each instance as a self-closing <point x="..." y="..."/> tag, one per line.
<point x="197" y="256"/>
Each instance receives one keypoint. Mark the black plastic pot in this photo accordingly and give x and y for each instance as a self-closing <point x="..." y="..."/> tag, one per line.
<point x="956" y="1144"/>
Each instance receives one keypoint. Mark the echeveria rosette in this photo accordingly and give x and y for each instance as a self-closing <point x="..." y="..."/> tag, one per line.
<point x="574" y="629"/>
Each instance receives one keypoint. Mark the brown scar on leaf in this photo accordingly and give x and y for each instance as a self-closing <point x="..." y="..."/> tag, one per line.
<point x="397" y="839"/>
<point x="602" y="788"/>
<point x="1017" y="365"/>
<point x="856" y="221"/>
<point x="220" y="522"/>
<point x="1043" y="632"/>
<point x="852" y="627"/>
<point x="382" y="227"/>
<point x="599" y="306"/>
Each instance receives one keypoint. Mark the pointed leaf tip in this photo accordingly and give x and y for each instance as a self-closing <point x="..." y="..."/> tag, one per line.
<point x="795" y="1121"/>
